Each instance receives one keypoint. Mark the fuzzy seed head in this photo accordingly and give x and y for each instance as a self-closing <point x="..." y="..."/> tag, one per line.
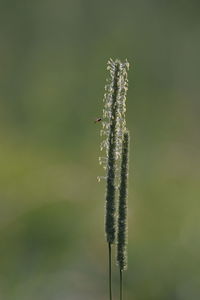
<point x="122" y="210"/>
<point x="117" y="81"/>
<point x="113" y="128"/>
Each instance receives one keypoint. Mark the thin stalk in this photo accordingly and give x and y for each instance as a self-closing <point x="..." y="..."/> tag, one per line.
<point x="110" y="269"/>
<point x="121" y="284"/>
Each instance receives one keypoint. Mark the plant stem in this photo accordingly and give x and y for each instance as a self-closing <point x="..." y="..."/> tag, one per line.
<point x="121" y="284"/>
<point x="110" y="270"/>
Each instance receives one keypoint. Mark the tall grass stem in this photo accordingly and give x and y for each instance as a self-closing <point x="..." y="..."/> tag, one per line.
<point x="121" y="284"/>
<point x="110" y="269"/>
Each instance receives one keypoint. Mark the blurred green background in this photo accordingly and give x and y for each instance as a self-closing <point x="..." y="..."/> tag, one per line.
<point x="53" y="58"/>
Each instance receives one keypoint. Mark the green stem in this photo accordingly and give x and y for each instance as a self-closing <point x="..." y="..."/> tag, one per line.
<point x="121" y="284"/>
<point x="110" y="270"/>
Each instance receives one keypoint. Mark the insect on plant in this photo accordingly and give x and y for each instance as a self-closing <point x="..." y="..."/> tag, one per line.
<point x="98" y="120"/>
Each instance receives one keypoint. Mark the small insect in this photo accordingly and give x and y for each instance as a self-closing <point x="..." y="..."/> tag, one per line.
<point x="98" y="120"/>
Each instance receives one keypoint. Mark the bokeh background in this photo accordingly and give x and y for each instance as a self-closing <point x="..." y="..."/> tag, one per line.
<point x="53" y="58"/>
